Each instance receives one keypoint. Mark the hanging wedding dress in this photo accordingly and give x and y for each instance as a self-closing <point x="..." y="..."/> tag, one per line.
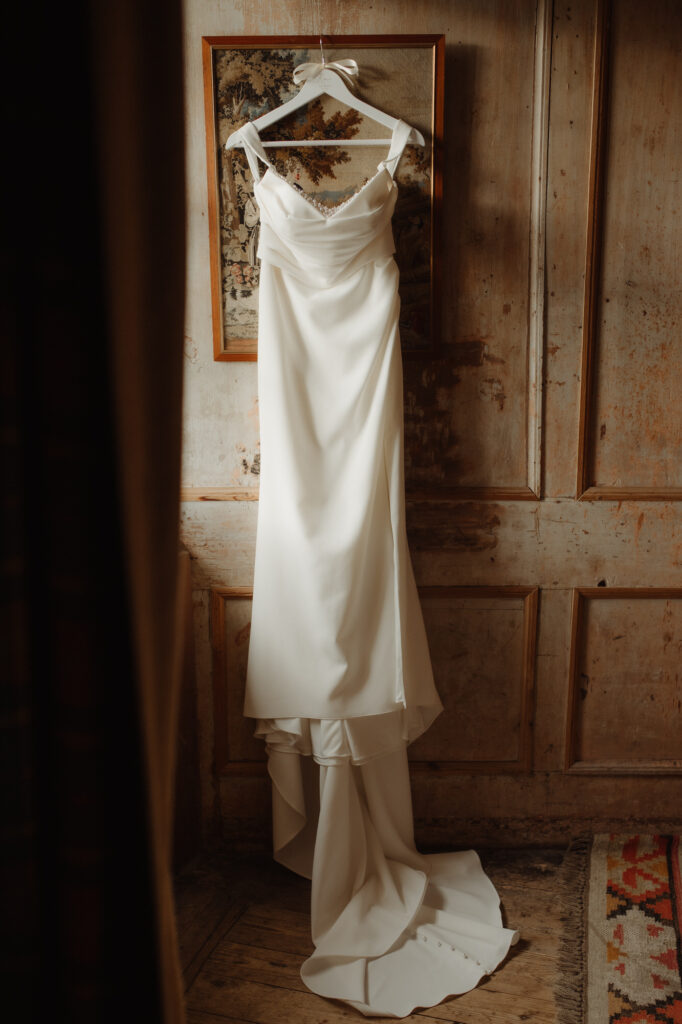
<point x="339" y="674"/>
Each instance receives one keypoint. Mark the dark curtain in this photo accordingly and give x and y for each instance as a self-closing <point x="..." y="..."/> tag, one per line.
<point x="90" y="392"/>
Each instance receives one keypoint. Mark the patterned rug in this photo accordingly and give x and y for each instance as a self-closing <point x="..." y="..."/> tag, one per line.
<point x="621" y="960"/>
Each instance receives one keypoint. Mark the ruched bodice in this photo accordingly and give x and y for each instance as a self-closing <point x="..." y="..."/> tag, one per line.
<point x="323" y="248"/>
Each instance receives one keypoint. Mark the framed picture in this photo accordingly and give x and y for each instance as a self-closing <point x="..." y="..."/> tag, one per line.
<point x="246" y="76"/>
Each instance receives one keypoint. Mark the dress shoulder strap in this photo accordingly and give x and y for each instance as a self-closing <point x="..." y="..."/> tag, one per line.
<point x="253" y="147"/>
<point x="401" y="134"/>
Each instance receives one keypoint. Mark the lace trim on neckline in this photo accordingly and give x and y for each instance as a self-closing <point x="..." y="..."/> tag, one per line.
<point x="328" y="211"/>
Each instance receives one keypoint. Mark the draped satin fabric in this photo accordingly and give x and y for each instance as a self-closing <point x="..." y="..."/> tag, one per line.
<point x="337" y="630"/>
<point x="339" y="674"/>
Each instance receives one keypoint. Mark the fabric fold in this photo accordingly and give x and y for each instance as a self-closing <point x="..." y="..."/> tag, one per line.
<point x="393" y="929"/>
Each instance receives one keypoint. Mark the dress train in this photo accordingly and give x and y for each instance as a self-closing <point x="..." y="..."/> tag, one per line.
<point x="393" y="929"/>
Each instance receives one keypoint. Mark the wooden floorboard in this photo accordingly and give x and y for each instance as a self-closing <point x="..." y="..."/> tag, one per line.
<point x="201" y="1017"/>
<point x="245" y="930"/>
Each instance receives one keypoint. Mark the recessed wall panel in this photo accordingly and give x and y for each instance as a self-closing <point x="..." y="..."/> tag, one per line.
<point x="480" y="653"/>
<point x="482" y="643"/>
<point x="636" y="414"/>
<point x="467" y="412"/>
<point x="627" y="699"/>
<point x="231" y="631"/>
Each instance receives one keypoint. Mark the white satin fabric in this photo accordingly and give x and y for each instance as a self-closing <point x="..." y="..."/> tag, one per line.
<point x="339" y="673"/>
<point x="337" y="630"/>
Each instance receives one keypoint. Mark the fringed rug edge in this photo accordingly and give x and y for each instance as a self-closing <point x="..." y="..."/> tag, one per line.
<point x="571" y="987"/>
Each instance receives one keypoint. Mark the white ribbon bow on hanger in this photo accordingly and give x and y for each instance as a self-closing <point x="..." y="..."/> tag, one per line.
<point x="306" y="72"/>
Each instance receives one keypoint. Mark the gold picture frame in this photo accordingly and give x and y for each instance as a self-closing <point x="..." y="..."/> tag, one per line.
<point x="244" y="76"/>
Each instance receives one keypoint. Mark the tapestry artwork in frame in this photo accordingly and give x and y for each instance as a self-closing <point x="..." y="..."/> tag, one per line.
<point x="245" y="77"/>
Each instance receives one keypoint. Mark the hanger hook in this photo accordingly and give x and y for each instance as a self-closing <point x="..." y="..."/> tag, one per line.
<point x="322" y="51"/>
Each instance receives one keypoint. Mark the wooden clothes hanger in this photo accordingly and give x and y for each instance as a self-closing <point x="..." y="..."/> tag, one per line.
<point x="325" y="80"/>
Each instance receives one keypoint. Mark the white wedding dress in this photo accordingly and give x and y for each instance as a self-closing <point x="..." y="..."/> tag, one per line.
<point x="339" y="675"/>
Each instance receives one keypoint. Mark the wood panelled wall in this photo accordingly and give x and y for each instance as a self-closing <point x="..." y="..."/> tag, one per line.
<point x="543" y="445"/>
